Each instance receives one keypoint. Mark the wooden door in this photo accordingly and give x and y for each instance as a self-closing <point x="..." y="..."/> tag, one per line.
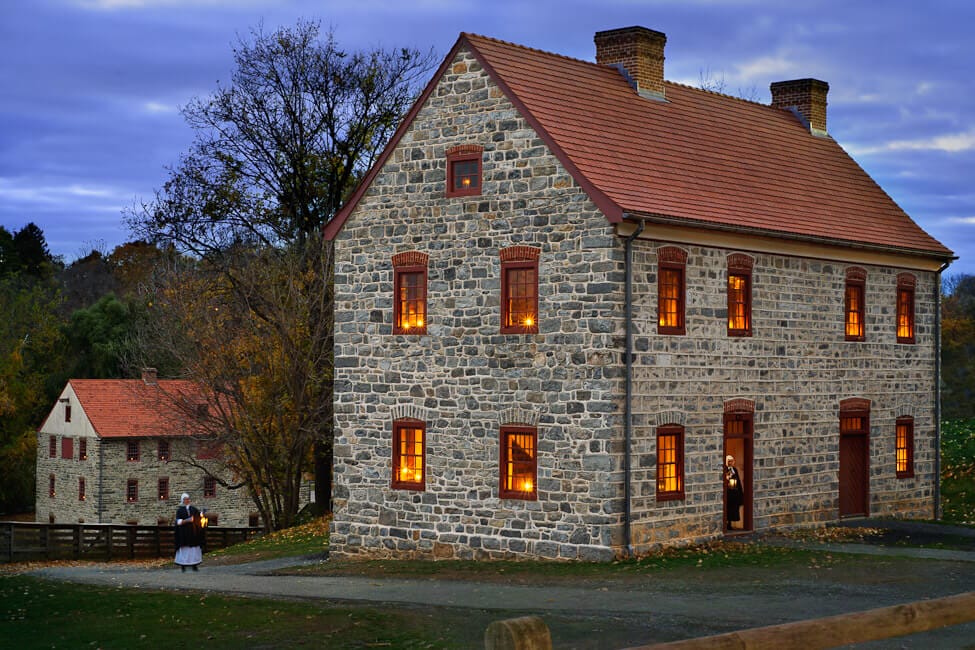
<point x="738" y="436"/>
<point x="854" y="478"/>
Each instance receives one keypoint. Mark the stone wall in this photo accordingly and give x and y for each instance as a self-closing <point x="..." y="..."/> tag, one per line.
<point x="106" y="468"/>
<point x="796" y="368"/>
<point x="463" y="378"/>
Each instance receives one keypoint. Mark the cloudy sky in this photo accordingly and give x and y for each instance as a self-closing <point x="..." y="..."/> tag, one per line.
<point x="90" y="90"/>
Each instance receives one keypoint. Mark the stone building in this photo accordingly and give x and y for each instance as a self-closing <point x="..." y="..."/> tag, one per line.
<point x="116" y="451"/>
<point x="568" y="290"/>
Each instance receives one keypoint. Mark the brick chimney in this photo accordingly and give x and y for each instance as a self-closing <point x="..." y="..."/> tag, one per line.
<point x="149" y="376"/>
<point x="804" y="97"/>
<point x="639" y="53"/>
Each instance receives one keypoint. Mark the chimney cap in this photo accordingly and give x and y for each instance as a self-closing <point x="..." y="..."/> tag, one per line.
<point x="634" y="30"/>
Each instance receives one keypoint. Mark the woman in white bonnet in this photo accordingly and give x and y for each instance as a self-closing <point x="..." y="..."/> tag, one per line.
<point x="735" y="492"/>
<point x="189" y="535"/>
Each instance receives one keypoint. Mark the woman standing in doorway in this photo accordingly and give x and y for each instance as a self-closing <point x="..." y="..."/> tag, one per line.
<point x="733" y="488"/>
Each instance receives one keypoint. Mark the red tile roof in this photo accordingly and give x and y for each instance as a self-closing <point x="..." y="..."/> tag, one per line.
<point x="120" y="408"/>
<point x="698" y="158"/>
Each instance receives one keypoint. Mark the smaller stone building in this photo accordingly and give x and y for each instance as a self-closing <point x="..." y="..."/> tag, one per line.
<point x="119" y="451"/>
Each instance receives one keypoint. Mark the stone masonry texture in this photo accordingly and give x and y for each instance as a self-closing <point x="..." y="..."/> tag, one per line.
<point x="465" y="380"/>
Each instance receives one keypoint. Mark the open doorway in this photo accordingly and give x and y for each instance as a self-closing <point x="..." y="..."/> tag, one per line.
<point x="738" y="466"/>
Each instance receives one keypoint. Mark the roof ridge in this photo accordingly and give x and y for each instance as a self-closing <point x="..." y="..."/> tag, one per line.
<point x="716" y="93"/>
<point x="535" y="49"/>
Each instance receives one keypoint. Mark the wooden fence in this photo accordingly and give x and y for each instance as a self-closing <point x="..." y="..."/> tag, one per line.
<point x="21" y="542"/>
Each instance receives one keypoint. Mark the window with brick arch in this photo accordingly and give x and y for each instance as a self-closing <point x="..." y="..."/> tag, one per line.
<point x="82" y="449"/>
<point x="670" y="463"/>
<point x="739" y="295"/>
<point x="904" y="447"/>
<point x="163" y="488"/>
<point x="132" y="490"/>
<point x="671" y="289"/>
<point x="519" y="290"/>
<point x="409" y="454"/>
<point x="164" y="450"/>
<point x="519" y="463"/>
<point x="464" y="170"/>
<point x="855" y="306"/>
<point x="132" y="450"/>
<point x="209" y="487"/>
<point x="82" y="496"/>
<point x="905" y="307"/>
<point x="410" y="293"/>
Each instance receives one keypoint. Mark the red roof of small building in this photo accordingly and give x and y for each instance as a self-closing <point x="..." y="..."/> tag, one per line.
<point x="125" y="408"/>
<point x="699" y="158"/>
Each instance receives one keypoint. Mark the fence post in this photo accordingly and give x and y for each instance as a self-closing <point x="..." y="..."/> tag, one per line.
<point x="78" y="536"/>
<point x="525" y="633"/>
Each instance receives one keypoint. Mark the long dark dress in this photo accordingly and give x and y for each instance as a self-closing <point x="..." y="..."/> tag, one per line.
<point x="189" y="536"/>
<point x="736" y="495"/>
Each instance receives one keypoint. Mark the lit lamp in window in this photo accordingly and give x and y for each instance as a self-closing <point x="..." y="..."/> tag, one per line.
<point x="466" y="182"/>
<point x="529" y="320"/>
<point x="527" y="485"/>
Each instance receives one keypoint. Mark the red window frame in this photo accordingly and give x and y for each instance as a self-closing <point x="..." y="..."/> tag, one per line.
<point x="904" y="447"/>
<point x="164" y="451"/>
<point x="519" y="463"/>
<point x="132" y="490"/>
<point x="82" y="496"/>
<point x="410" y="293"/>
<point x="739" y="295"/>
<point x="67" y="448"/>
<point x="519" y="290"/>
<point x="670" y="462"/>
<point x="82" y="449"/>
<point x="464" y="170"/>
<point x="855" y="304"/>
<point x="671" y="290"/>
<point x="409" y="455"/>
<point x="162" y="489"/>
<point x="209" y="487"/>
<point x="51" y="485"/>
<point x="905" y="307"/>
<point x="132" y="450"/>
<point x="52" y="447"/>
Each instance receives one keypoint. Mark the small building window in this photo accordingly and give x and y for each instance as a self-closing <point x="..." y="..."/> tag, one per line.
<point x="212" y="519"/>
<point x="52" y="447"/>
<point x="67" y="448"/>
<point x="254" y="520"/>
<point x="671" y="267"/>
<point x="132" y="490"/>
<point x="51" y="485"/>
<point x="132" y="450"/>
<point x="81" y="489"/>
<point x="164" y="450"/>
<point x="82" y="449"/>
<point x="905" y="447"/>
<point x="856" y="283"/>
<point x="164" y="488"/>
<point x="464" y="170"/>
<point x="519" y="463"/>
<point x="519" y="290"/>
<point x="670" y="462"/>
<point x="905" y="307"/>
<point x="410" y="293"/>
<point x="209" y="487"/>
<point x="67" y="412"/>
<point x="409" y="455"/>
<point x="739" y="295"/>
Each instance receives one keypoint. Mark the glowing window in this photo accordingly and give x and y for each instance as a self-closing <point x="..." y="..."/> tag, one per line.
<point x="519" y="468"/>
<point x="163" y="488"/>
<point x="904" y="447"/>
<point x="132" y="450"/>
<point x="739" y="295"/>
<point x="670" y="463"/>
<point x="409" y="439"/>
<point x="81" y="489"/>
<point x="671" y="265"/>
<point x="209" y="487"/>
<point x="464" y="170"/>
<point x="410" y="293"/>
<point x="82" y="449"/>
<point x="905" y="308"/>
<point x="519" y="290"/>
<point x="855" y="308"/>
<point x="132" y="490"/>
<point x="164" y="450"/>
